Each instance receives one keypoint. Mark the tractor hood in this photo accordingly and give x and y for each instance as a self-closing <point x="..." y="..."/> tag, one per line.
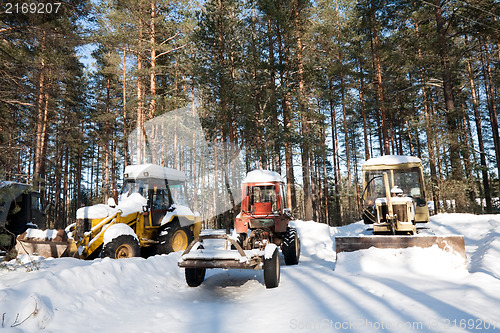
<point x="128" y="205"/>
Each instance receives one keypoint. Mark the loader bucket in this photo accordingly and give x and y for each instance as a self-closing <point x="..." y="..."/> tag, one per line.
<point x="451" y="243"/>
<point x="54" y="248"/>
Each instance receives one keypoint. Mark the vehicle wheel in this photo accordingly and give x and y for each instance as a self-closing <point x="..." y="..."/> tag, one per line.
<point x="124" y="246"/>
<point x="174" y="238"/>
<point x="272" y="270"/>
<point x="291" y="246"/>
<point x="195" y="276"/>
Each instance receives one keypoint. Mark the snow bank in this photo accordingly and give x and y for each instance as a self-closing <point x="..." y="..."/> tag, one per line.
<point x="316" y="240"/>
<point x="482" y="238"/>
<point x="90" y="296"/>
<point x="431" y="261"/>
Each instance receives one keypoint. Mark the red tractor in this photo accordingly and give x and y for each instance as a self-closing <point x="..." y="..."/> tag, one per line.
<point x="261" y="226"/>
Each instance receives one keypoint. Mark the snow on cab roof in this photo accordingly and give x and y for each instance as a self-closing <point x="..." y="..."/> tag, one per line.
<point x="262" y="176"/>
<point x="153" y="171"/>
<point x="392" y="160"/>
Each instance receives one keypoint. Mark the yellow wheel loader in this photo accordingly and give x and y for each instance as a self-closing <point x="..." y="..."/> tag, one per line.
<point x="394" y="201"/>
<point x="151" y="217"/>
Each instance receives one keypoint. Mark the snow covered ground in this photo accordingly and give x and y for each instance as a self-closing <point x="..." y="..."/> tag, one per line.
<point x="412" y="290"/>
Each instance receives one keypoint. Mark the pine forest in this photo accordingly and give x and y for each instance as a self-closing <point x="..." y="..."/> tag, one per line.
<point x="310" y="89"/>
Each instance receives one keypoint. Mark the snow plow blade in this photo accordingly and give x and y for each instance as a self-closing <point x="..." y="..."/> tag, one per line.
<point x="453" y="243"/>
<point x="226" y="259"/>
<point x="54" y="248"/>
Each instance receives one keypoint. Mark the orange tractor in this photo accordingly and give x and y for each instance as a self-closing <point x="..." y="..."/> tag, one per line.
<point x="261" y="227"/>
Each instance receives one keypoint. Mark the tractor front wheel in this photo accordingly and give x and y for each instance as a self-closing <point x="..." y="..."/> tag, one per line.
<point x="124" y="246"/>
<point x="272" y="270"/>
<point x="174" y="238"/>
<point x="195" y="276"/>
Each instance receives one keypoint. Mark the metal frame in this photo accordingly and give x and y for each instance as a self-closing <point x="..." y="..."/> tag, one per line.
<point x="253" y="262"/>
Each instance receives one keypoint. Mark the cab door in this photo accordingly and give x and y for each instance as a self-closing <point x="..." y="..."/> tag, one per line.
<point x="160" y="203"/>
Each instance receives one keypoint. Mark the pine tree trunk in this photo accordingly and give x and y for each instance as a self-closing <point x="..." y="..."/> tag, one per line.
<point x="337" y="188"/>
<point x="287" y="124"/>
<point x="452" y="113"/>
<point x="306" y="148"/>
<point x="124" y="99"/>
<point x="363" y="112"/>
<point x="41" y="122"/>
<point x="141" y="144"/>
<point x="152" y="75"/>
<point x="490" y="95"/>
<point x="385" y="149"/>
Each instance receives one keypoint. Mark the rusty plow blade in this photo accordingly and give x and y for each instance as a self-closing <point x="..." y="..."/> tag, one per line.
<point x="47" y="248"/>
<point x="451" y="243"/>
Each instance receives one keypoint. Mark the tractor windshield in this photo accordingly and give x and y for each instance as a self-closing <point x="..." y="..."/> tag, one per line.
<point x="258" y="195"/>
<point x="134" y="186"/>
<point x="178" y="192"/>
<point x="408" y="180"/>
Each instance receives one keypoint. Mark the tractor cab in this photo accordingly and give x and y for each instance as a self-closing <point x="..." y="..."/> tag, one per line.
<point x="405" y="181"/>
<point x="264" y="203"/>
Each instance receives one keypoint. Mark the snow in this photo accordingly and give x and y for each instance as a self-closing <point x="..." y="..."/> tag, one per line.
<point x="374" y="290"/>
<point x="98" y="211"/>
<point x="399" y="200"/>
<point x="221" y="254"/>
<point x="180" y="211"/>
<point x="47" y="234"/>
<point x="153" y="171"/>
<point x="269" y="251"/>
<point x="128" y="205"/>
<point x="132" y="204"/>
<point x="392" y="160"/>
<point x="116" y="230"/>
<point x="262" y="176"/>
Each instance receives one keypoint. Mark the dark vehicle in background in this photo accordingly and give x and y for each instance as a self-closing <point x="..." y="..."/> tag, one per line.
<point x="20" y="208"/>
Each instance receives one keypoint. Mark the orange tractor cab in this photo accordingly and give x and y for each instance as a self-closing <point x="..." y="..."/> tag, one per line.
<point x="263" y="208"/>
<point x="261" y="227"/>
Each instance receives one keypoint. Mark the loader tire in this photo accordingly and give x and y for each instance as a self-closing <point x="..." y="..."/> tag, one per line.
<point x="291" y="247"/>
<point x="272" y="271"/>
<point x="124" y="246"/>
<point x="194" y="276"/>
<point x="174" y="238"/>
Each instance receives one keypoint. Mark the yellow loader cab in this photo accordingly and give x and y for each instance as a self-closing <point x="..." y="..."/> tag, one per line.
<point x="406" y="180"/>
<point x="151" y="216"/>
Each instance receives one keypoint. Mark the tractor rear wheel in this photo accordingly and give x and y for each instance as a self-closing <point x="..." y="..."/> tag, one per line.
<point x="174" y="238"/>
<point x="124" y="246"/>
<point x="272" y="270"/>
<point x="291" y="247"/>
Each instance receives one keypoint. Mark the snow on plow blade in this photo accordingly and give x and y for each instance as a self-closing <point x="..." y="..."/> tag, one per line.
<point x="453" y="243"/>
<point x="56" y="247"/>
